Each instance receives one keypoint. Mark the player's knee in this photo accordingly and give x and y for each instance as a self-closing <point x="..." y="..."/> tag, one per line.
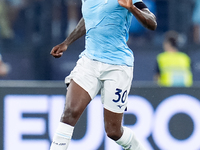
<point x="70" y="115"/>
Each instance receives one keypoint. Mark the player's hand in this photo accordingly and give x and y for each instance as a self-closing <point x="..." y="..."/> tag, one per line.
<point x="58" y="50"/>
<point x="126" y="3"/>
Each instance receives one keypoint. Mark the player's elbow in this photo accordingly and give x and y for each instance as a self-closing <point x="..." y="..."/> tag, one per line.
<point x="152" y="23"/>
<point x="153" y="26"/>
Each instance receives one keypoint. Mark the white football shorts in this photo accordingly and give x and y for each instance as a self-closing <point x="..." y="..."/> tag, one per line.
<point x="114" y="81"/>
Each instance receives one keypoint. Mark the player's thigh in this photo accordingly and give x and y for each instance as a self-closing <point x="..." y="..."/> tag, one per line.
<point x="77" y="97"/>
<point x="77" y="100"/>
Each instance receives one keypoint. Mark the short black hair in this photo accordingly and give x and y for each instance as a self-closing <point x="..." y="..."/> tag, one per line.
<point x="172" y="38"/>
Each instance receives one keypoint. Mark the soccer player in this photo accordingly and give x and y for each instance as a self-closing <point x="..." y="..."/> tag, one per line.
<point x="106" y="64"/>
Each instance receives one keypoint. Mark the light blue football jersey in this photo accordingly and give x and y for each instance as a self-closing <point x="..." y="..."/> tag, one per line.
<point x="107" y="26"/>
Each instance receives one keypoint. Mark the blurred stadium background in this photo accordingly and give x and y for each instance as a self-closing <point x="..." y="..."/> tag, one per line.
<point x="29" y="29"/>
<point x="38" y="25"/>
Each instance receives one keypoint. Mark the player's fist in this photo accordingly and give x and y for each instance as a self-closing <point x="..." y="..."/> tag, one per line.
<point x="58" y="50"/>
<point x="126" y="3"/>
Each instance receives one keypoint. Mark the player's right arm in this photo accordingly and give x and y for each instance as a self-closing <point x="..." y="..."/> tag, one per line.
<point x="143" y="14"/>
<point x="78" y="32"/>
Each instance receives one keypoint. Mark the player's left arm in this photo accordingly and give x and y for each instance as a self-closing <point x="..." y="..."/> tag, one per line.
<point x="141" y="12"/>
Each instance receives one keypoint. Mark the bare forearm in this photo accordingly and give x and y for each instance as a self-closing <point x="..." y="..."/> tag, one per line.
<point x="78" y="32"/>
<point x="145" y="17"/>
<point x="57" y="51"/>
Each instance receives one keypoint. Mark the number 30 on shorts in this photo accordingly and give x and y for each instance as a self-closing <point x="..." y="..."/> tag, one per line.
<point x="121" y="96"/>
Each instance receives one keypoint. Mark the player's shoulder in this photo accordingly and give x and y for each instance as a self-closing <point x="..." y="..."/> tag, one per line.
<point x="183" y="54"/>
